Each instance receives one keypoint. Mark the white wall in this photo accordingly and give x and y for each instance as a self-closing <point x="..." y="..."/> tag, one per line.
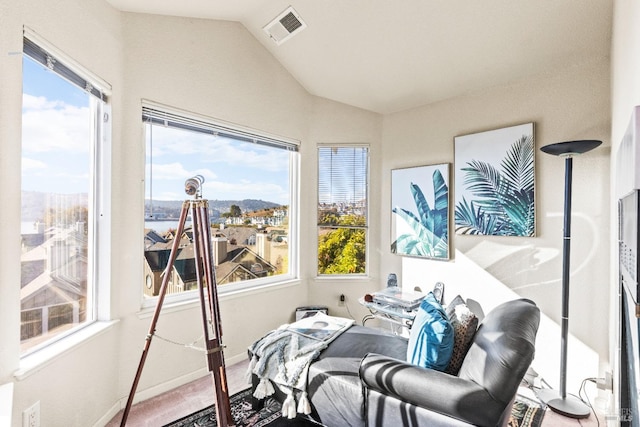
<point x="213" y="68"/>
<point x="77" y="388"/>
<point x="218" y="69"/>
<point x="566" y="105"/>
<point x="625" y="65"/>
<point x="225" y="74"/>
<point x="357" y="127"/>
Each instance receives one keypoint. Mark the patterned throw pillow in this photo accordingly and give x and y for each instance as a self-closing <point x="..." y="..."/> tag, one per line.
<point x="431" y="337"/>
<point x="465" y="324"/>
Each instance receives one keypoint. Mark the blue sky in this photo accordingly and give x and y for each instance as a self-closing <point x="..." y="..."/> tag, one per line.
<point x="232" y="169"/>
<point x="56" y="142"/>
<point x="55" y="133"/>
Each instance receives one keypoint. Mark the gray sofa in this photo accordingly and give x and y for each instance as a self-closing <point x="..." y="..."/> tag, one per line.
<point x="362" y="378"/>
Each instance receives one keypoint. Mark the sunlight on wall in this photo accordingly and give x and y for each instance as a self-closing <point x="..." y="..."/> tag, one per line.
<point x="464" y="277"/>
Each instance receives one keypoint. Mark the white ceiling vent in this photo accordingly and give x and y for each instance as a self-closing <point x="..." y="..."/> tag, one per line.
<point x="285" y="26"/>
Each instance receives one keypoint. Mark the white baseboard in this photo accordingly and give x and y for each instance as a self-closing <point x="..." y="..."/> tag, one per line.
<point x="164" y="387"/>
<point x="112" y="412"/>
<point x="159" y="389"/>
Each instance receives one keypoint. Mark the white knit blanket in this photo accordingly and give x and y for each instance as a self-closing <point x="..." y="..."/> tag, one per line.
<point x="284" y="356"/>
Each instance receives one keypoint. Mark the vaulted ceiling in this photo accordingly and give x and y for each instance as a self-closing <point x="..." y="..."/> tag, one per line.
<point x="388" y="56"/>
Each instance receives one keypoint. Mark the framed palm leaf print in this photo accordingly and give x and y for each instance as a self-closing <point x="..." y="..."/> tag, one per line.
<point x="420" y="211"/>
<point x="494" y="182"/>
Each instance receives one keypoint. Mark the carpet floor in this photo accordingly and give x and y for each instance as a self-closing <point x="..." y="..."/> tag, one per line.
<point x="525" y="413"/>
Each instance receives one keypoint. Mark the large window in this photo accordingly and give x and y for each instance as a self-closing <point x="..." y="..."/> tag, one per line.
<point x="343" y="173"/>
<point x="250" y="183"/>
<point x="64" y="128"/>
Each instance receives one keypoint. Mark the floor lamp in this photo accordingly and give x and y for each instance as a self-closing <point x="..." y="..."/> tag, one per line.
<point x="559" y="402"/>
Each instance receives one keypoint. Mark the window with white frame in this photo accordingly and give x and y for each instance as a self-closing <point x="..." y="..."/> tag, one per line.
<point x="250" y="185"/>
<point x="64" y="157"/>
<point x="343" y="176"/>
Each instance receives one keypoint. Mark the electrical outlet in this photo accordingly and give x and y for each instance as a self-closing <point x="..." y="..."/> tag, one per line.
<point x="341" y="300"/>
<point x="605" y="383"/>
<point x="31" y="416"/>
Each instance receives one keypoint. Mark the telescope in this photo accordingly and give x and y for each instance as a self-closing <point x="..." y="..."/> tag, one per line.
<point x="209" y="304"/>
<point x="193" y="186"/>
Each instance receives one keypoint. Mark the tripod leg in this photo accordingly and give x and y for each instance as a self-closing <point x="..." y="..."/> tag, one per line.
<point x="210" y="312"/>
<point x="152" y="328"/>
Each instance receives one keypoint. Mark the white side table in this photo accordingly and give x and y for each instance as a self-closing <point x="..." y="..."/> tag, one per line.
<point x="396" y="316"/>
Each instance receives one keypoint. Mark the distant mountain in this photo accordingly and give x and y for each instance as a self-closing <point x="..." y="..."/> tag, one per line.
<point x="247" y="205"/>
<point x="34" y="203"/>
<point x="171" y="208"/>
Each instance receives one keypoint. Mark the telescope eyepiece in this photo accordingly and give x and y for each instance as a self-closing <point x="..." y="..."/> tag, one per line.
<point x="193" y="186"/>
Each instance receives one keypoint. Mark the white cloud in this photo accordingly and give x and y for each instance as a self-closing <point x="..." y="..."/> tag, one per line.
<point x="32" y="164"/>
<point x="210" y="149"/>
<point x="176" y="171"/>
<point x="54" y="126"/>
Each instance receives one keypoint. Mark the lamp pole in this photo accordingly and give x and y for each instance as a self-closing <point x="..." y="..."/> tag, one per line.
<point x="566" y="269"/>
<point x="559" y="402"/>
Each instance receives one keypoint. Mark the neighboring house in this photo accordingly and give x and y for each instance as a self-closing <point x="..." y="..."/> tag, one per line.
<point x="155" y="260"/>
<point x="232" y="262"/>
<point x="241" y="263"/>
<point x="271" y="218"/>
<point x="53" y="286"/>
<point x="31" y="241"/>
<point x="234" y="220"/>
<point x="241" y="236"/>
<point x="151" y="238"/>
<point x="156" y="255"/>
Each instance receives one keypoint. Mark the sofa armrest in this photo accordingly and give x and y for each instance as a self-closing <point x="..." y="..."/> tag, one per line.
<point x="429" y="389"/>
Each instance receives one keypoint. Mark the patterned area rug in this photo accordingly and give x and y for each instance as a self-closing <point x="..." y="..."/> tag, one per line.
<point x="242" y="414"/>
<point x="525" y="413"/>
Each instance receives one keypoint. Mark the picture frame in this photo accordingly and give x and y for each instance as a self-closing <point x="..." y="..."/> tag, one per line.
<point x="420" y="211"/>
<point x="495" y="182"/>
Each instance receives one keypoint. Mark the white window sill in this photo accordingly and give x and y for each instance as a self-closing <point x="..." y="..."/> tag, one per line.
<point x="342" y="277"/>
<point x="170" y="306"/>
<point x="36" y="361"/>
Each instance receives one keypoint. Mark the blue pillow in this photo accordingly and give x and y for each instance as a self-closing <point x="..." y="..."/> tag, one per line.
<point x="432" y="337"/>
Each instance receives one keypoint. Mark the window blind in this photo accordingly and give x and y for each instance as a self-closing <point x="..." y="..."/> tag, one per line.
<point x="38" y="54"/>
<point x="169" y="119"/>
<point x="342" y="178"/>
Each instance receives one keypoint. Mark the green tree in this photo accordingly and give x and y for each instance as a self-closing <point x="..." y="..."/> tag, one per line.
<point x="235" y="211"/>
<point x="342" y="250"/>
<point x="54" y="217"/>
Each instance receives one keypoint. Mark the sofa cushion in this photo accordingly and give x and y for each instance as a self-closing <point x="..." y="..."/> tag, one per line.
<point x="502" y="349"/>
<point x="465" y="324"/>
<point x="431" y="337"/>
<point x="334" y="386"/>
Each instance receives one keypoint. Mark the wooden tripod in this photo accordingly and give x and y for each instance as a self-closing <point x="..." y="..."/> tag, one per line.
<point x="208" y="302"/>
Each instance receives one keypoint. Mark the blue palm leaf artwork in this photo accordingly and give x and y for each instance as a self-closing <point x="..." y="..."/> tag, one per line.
<point x="496" y="194"/>
<point x="421" y="228"/>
